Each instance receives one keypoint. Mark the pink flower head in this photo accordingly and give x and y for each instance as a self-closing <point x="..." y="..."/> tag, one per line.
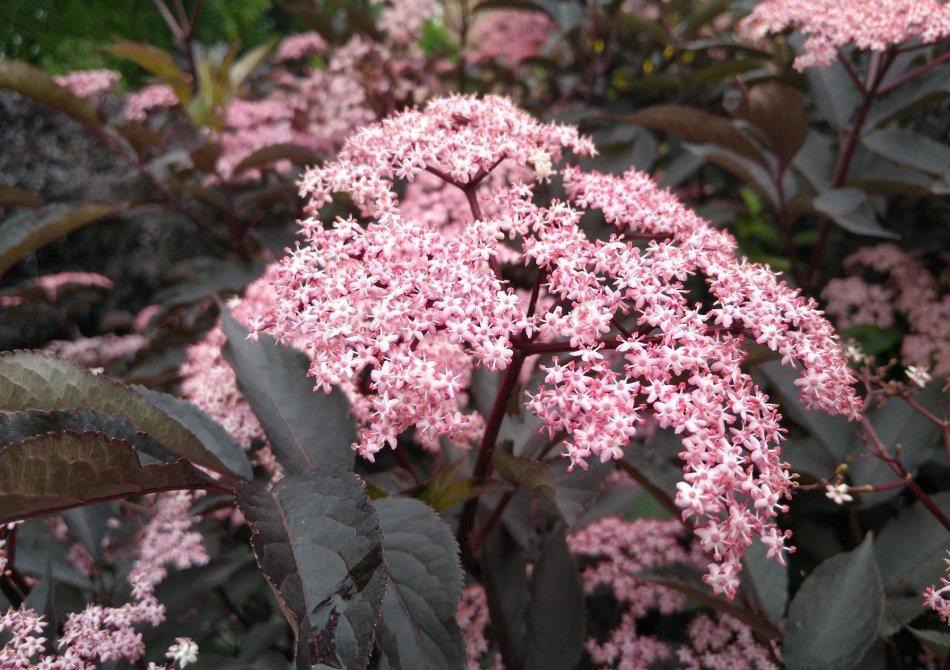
<point x="154" y="95"/>
<point x="86" y="83"/>
<point x="403" y="301"/>
<point x="300" y="46"/>
<point x="510" y="36"/>
<point x="829" y="25"/>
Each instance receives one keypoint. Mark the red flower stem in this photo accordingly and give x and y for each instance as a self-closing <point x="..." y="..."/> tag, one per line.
<point x="479" y="538"/>
<point x="487" y="448"/>
<point x="913" y="74"/>
<point x="901" y="471"/>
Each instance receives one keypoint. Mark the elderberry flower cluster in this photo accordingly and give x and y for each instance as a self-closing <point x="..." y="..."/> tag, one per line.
<point x="109" y="633"/>
<point x="938" y="598"/>
<point x="829" y="25"/>
<point x="87" y="83"/>
<point x="883" y="283"/>
<point x="390" y="298"/>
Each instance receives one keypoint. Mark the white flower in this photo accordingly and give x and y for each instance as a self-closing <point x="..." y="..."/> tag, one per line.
<point x="184" y="652"/>
<point x="543" y="168"/>
<point x="919" y="375"/>
<point x="839" y="494"/>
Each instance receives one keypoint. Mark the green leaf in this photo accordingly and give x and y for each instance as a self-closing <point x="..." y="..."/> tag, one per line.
<point x="246" y="64"/>
<point x="317" y="541"/>
<point x="849" y="208"/>
<point x="156" y="61"/>
<point x="30" y="380"/>
<point x="556" y="628"/>
<point x="306" y="428"/>
<point x="695" y="125"/>
<point x="211" y="434"/>
<point x="909" y="554"/>
<point x="27" y="231"/>
<point x="277" y="152"/>
<point x="910" y="149"/>
<point x="444" y="490"/>
<point x="528" y="472"/>
<point x="54" y="472"/>
<point x="418" y="628"/>
<point x="36" y="84"/>
<point x="836" y="614"/>
<point x="11" y="196"/>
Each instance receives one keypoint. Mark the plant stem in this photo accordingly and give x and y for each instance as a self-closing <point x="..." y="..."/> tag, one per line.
<point x="487" y="448"/>
<point x="878" y="68"/>
<point x="901" y="471"/>
<point x="913" y="74"/>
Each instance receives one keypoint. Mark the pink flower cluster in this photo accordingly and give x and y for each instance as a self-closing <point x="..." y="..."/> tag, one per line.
<point x="106" y="633"/>
<point x="97" y="352"/>
<point x="402" y="302"/>
<point x="300" y="46"/>
<point x="616" y="551"/>
<point x="139" y="103"/>
<point x="885" y="281"/>
<point x="472" y="617"/>
<point x="829" y="25"/>
<point x="509" y="36"/>
<point x="86" y="83"/>
<point x="363" y="81"/>
<point x="938" y="599"/>
<point x="403" y="20"/>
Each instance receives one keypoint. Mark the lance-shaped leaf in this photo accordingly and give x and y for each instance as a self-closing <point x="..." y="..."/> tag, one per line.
<point x="688" y="580"/>
<point x="556" y="626"/>
<point x="908" y="148"/>
<point x="277" y="152"/>
<point x="34" y="83"/>
<point x="695" y="125"/>
<point x="211" y="433"/>
<point x="55" y="472"/>
<point x="317" y="540"/>
<point x="418" y="627"/>
<point x="29" y="230"/>
<point x="849" y="208"/>
<point x="30" y="380"/>
<point x="835" y="616"/>
<point x="306" y="428"/>
<point x="156" y="61"/>
<point x="778" y="113"/>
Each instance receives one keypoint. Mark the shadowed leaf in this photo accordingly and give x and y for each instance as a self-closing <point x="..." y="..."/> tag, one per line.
<point x="556" y="626"/>
<point x="695" y="125"/>
<point x="418" y="627"/>
<point x="30" y="380"/>
<point x="835" y="616"/>
<point x="55" y="472"/>
<point x="36" y="84"/>
<point x="29" y="230"/>
<point x="317" y="541"/>
<point x="277" y="152"/>
<point x="306" y="428"/>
